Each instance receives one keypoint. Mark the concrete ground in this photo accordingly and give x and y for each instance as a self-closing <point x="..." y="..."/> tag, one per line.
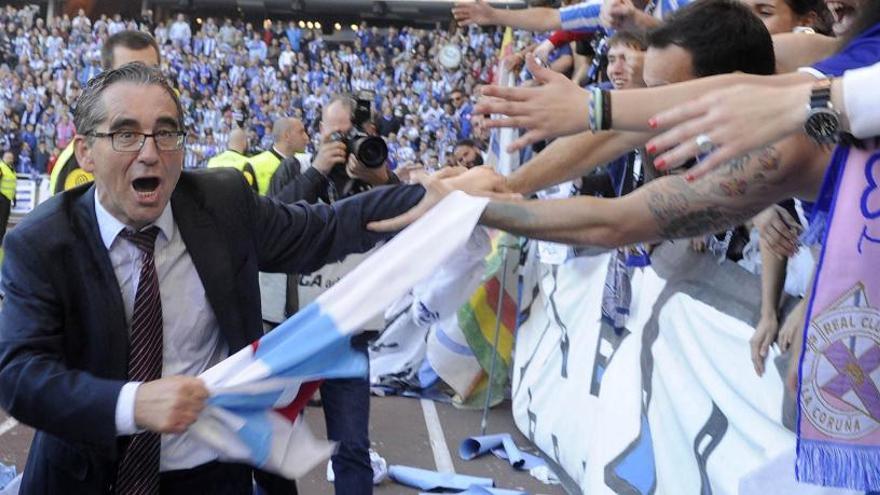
<point x="404" y="431"/>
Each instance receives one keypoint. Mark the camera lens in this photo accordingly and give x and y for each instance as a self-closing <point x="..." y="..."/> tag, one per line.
<point x="370" y="150"/>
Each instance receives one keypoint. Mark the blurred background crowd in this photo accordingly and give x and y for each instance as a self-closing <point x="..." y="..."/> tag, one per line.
<point x="232" y="73"/>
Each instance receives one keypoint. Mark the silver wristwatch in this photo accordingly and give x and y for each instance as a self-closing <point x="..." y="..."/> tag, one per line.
<point x="823" y="120"/>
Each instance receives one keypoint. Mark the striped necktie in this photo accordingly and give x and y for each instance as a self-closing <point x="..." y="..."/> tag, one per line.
<point x="139" y="469"/>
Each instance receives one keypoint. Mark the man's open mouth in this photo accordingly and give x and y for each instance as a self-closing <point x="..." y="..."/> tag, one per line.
<point x="146" y="187"/>
<point x="843" y="15"/>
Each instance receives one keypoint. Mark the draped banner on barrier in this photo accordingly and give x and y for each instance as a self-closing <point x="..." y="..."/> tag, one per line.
<point x="670" y="404"/>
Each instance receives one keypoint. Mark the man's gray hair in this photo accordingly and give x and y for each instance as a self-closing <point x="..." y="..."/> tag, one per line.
<point x="90" y="111"/>
<point x="347" y="101"/>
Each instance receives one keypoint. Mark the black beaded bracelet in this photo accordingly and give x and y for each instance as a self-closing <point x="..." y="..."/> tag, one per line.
<point x="606" y="110"/>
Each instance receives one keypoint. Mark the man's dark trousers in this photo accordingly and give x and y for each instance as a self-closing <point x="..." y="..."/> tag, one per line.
<point x="347" y="413"/>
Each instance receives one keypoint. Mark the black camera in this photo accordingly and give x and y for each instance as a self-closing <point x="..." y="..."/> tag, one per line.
<point x="363" y="108"/>
<point x="370" y="150"/>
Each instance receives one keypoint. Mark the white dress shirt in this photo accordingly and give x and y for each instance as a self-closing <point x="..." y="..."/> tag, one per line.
<point x="862" y="100"/>
<point x="191" y="341"/>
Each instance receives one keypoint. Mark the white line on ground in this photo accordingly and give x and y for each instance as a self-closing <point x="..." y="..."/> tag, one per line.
<point x="438" y="440"/>
<point x="7" y="425"/>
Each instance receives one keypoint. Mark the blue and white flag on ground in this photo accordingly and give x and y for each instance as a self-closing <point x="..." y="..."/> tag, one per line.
<point x="502" y="446"/>
<point x="425" y="479"/>
<point x="257" y="394"/>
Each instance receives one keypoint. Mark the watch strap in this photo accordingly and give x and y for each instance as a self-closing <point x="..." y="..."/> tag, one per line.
<point x="820" y="96"/>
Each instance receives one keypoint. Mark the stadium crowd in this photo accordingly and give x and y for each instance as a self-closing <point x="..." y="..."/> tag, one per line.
<point x="231" y="73"/>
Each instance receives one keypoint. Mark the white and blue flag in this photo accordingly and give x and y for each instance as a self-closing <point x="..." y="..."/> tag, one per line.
<point x="257" y="394"/>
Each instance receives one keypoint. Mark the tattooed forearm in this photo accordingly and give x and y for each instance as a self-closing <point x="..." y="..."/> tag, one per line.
<point x="669" y="207"/>
<point x="736" y="165"/>
<point x="707" y="221"/>
<point x="723" y="199"/>
<point x="582" y="220"/>
<point x="748" y="174"/>
<point x="513" y="217"/>
<point x="682" y="211"/>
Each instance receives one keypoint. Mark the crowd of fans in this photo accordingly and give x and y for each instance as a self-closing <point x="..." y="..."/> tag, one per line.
<point x="231" y="73"/>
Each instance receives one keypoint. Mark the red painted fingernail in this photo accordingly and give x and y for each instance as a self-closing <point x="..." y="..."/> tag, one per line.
<point x="652" y="123"/>
<point x="652" y="148"/>
<point x="689" y="178"/>
<point x="660" y="164"/>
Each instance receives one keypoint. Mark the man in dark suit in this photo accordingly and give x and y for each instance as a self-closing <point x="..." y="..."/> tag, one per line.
<point x="119" y="293"/>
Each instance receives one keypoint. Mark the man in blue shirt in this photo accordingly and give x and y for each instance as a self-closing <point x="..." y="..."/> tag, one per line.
<point x="463" y="111"/>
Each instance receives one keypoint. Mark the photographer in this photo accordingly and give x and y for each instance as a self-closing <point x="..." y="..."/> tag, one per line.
<point x="344" y="121"/>
<point x="349" y="161"/>
<point x="343" y="125"/>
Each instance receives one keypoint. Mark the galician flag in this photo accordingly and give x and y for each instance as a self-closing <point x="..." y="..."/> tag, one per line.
<point x="257" y="394"/>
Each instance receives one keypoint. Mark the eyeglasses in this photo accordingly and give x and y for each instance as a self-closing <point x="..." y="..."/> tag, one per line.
<point x="132" y="141"/>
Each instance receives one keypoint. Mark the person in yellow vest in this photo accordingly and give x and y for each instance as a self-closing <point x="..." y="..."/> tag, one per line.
<point x="234" y="156"/>
<point x="119" y="49"/>
<point x="8" y="182"/>
<point x="289" y="136"/>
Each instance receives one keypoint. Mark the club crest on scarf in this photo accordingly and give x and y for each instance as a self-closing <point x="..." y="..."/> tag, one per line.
<point x="840" y="396"/>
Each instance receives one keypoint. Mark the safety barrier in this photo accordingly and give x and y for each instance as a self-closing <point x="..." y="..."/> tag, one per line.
<point x="30" y="191"/>
<point x="668" y="405"/>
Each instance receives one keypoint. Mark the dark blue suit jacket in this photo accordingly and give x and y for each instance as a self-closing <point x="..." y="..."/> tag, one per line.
<point x="63" y="334"/>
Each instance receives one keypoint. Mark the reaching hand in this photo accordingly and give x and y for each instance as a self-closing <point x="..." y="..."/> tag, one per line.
<point x="478" y="181"/>
<point x="543" y="50"/>
<point x="408" y="173"/>
<point x="791" y="336"/>
<point x="737" y="120"/>
<point x="450" y="171"/>
<point x="558" y="107"/>
<point x="514" y="62"/>
<point x="780" y="233"/>
<point x="477" y="12"/>
<point x="765" y="334"/>
<point x="617" y="14"/>
<point x="169" y="405"/>
<point x="792" y="326"/>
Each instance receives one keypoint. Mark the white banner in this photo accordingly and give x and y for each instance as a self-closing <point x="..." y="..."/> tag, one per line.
<point x="670" y="405"/>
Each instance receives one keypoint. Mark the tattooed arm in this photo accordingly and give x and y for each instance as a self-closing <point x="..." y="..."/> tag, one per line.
<point x="670" y="207"/>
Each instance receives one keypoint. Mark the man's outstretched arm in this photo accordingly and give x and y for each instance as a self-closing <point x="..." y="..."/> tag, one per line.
<point x="671" y="207"/>
<point x="570" y="157"/>
<point x="481" y="13"/>
<point x="559" y="107"/>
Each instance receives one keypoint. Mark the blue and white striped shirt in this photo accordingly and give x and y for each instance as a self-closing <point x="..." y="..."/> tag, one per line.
<point x="584" y="17"/>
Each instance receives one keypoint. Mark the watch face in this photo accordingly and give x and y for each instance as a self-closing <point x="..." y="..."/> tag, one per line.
<point x="823" y="126"/>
